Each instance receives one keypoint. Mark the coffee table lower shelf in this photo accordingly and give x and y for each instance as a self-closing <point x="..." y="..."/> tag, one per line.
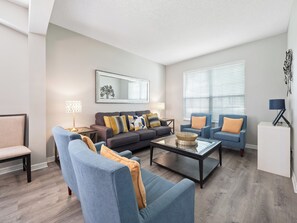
<point x="186" y="166"/>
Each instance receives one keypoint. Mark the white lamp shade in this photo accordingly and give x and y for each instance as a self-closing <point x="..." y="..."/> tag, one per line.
<point x="73" y="106"/>
<point x="158" y="106"/>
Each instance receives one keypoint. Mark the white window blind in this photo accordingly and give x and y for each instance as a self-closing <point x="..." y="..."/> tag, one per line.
<point x="217" y="90"/>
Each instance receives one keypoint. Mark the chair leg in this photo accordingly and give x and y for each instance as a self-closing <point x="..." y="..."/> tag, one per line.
<point x="28" y="167"/>
<point x="241" y="152"/>
<point x="24" y="163"/>
<point x="69" y="191"/>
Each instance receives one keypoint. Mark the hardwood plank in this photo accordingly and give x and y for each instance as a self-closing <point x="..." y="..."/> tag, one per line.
<point x="235" y="192"/>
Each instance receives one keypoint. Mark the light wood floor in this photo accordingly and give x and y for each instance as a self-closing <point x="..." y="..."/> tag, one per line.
<point x="236" y="192"/>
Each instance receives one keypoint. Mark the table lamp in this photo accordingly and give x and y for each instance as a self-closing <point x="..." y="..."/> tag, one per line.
<point x="158" y="107"/>
<point x="278" y="104"/>
<point x="73" y="107"/>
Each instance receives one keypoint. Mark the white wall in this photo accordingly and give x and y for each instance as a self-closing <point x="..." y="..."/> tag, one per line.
<point x="13" y="72"/>
<point x="71" y="63"/>
<point x="264" y="79"/>
<point x="14" y="84"/>
<point x="292" y="44"/>
<point x="21" y="90"/>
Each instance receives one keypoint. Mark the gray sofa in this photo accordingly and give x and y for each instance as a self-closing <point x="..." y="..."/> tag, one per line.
<point x="132" y="140"/>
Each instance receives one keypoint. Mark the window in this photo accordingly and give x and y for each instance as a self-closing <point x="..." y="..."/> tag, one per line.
<point x="216" y="90"/>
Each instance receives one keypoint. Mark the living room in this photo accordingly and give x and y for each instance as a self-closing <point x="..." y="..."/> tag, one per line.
<point x="49" y="56"/>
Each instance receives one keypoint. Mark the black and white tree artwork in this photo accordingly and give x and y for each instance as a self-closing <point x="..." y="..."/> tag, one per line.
<point x="288" y="71"/>
<point x="107" y="91"/>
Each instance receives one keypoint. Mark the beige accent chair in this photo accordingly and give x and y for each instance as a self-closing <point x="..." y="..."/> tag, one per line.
<point x="13" y="141"/>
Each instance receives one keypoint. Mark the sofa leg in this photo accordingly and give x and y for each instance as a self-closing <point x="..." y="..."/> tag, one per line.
<point x="69" y="191"/>
<point x="241" y="152"/>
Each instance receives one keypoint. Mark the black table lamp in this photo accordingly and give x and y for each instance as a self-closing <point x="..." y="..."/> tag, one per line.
<point x="278" y="104"/>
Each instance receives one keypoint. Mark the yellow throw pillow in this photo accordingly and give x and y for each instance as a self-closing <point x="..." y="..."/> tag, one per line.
<point x="89" y="143"/>
<point x="107" y="121"/>
<point x="131" y="122"/>
<point x="134" y="168"/>
<point x="198" y="122"/>
<point x="153" y="120"/>
<point x="117" y="123"/>
<point x="232" y="125"/>
<point x="147" y="123"/>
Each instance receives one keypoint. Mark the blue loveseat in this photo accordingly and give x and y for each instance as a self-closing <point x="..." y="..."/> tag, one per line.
<point x="107" y="194"/>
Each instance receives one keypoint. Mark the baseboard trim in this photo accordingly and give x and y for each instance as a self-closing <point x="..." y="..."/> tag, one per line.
<point x="251" y="146"/>
<point x="10" y="169"/>
<point x="50" y="159"/>
<point x="294" y="181"/>
<point x="17" y="167"/>
<point x="39" y="166"/>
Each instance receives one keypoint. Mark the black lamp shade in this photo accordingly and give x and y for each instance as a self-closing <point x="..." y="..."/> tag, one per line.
<point x="277" y="104"/>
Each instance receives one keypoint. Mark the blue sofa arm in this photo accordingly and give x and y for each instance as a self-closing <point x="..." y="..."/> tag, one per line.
<point x="175" y="205"/>
<point x="242" y="138"/>
<point x="98" y="145"/>
<point x="214" y="130"/>
<point x="205" y="132"/>
<point x="126" y="153"/>
<point x="184" y="126"/>
<point x="136" y="159"/>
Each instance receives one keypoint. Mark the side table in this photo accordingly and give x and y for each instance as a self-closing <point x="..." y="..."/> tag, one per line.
<point x="169" y="122"/>
<point x="91" y="133"/>
<point x="274" y="154"/>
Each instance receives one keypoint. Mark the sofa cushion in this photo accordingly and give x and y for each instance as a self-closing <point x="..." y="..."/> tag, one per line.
<point x="126" y="113"/>
<point x="162" y="130"/>
<point x="154" y="185"/>
<point x="12" y="130"/>
<point x="140" y="113"/>
<point x="13" y="151"/>
<point x="99" y="117"/>
<point x="123" y="139"/>
<point x="227" y="136"/>
<point x="197" y="131"/>
<point x="153" y="120"/>
<point x="145" y="116"/>
<point x="232" y="125"/>
<point x="134" y="168"/>
<point x="89" y="143"/>
<point x="198" y="122"/>
<point x="117" y="123"/>
<point x="139" y="123"/>
<point x="131" y="121"/>
<point x="145" y="134"/>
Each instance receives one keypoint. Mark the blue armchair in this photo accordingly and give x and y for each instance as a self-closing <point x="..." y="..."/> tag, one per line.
<point x="204" y="132"/>
<point x="230" y="140"/>
<point x="107" y="193"/>
<point x="62" y="138"/>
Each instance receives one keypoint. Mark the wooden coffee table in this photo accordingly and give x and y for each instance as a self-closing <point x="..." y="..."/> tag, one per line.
<point x="183" y="159"/>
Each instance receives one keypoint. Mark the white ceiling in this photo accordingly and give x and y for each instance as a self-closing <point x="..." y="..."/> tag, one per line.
<point x="168" y="31"/>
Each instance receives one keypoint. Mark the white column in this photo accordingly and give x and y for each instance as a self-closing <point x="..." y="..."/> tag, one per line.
<point x="37" y="97"/>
